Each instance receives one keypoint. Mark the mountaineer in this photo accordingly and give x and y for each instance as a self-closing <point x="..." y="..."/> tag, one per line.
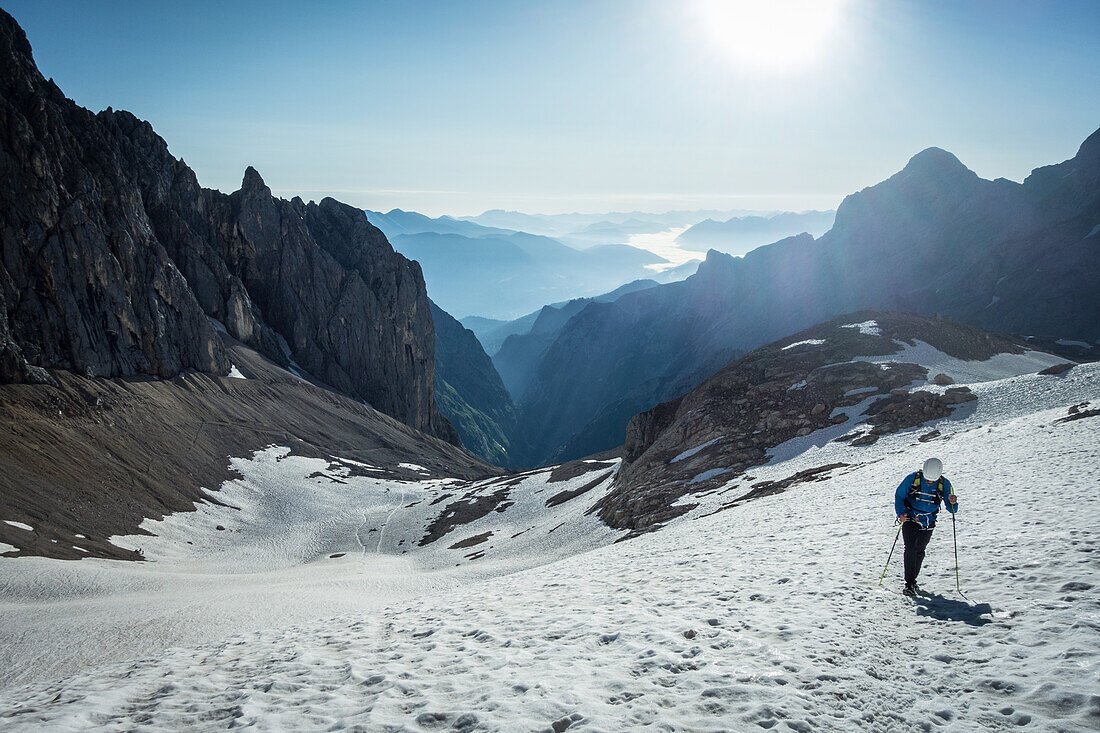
<point x="916" y="503"/>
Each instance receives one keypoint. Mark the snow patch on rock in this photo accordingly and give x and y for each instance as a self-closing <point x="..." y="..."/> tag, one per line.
<point x="707" y="475"/>
<point x="692" y="451"/>
<point x="807" y="342"/>
<point x="999" y="366"/>
<point x="867" y="328"/>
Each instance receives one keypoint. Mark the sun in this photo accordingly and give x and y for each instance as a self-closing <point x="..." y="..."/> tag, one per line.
<point x="771" y="35"/>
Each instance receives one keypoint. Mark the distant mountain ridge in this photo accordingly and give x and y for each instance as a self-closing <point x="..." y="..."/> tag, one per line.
<point x="503" y="276"/>
<point x="573" y="223"/>
<point x="396" y="221"/>
<point x="933" y="238"/>
<point x="739" y="235"/>
<point x="519" y="353"/>
<point x="493" y="333"/>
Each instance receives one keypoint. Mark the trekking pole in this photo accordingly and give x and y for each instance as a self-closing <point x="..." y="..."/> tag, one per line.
<point x="956" y="543"/>
<point x="892" y="552"/>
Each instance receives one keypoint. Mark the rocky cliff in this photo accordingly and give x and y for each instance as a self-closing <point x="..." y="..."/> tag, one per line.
<point x="469" y="391"/>
<point x="115" y="260"/>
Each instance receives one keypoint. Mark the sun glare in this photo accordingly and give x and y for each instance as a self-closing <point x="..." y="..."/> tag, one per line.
<point x="771" y="35"/>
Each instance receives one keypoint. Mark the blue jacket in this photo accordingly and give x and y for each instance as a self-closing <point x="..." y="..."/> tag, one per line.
<point x="922" y="509"/>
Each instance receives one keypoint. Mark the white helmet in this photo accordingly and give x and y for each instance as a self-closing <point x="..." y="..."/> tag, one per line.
<point x="933" y="469"/>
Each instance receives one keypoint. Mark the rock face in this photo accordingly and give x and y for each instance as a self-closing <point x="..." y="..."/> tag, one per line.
<point x="114" y="258"/>
<point x="84" y="283"/>
<point x="841" y="376"/>
<point x="933" y="238"/>
<point x="469" y="390"/>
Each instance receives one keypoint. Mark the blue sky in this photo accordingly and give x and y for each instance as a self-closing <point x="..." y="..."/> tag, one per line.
<point x="449" y="107"/>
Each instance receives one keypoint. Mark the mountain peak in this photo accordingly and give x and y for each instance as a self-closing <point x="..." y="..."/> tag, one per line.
<point x="935" y="162"/>
<point x="1092" y="140"/>
<point x="1090" y="148"/>
<point x="18" y="74"/>
<point x="253" y="181"/>
<point x="12" y="38"/>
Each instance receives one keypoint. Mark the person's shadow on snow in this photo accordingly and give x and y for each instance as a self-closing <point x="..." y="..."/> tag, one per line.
<point x="949" y="609"/>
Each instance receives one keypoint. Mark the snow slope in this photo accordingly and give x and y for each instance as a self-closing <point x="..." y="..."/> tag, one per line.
<point x="999" y="366"/>
<point x="764" y="614"/>
<point x="294" y="539"/>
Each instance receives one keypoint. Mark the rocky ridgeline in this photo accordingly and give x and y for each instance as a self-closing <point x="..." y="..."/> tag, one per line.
<point x="789" y="389"/>
<point x="1006" y="257"/>
<point x="115" y="260"/>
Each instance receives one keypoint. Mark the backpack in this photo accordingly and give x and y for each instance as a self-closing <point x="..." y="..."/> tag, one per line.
<point x="916" y="491"/>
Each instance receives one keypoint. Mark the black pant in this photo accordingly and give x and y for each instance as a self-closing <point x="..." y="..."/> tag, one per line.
<point x="916" y="540"/>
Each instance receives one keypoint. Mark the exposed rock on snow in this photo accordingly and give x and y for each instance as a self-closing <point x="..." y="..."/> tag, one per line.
<point x="1077" y="413"/>
<point x="1057" y="368"/>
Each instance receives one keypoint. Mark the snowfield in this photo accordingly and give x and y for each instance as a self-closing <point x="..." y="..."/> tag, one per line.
<point x="761" y="614"/>
<point x="999" y="366"/>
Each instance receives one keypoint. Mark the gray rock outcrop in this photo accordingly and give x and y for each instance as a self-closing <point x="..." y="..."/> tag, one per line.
<point x="115" y="260"/>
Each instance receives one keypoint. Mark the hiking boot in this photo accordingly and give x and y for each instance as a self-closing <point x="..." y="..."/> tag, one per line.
<point x="910" y="590"/>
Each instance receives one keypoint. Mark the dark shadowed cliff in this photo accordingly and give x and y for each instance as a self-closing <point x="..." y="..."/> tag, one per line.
<point x="469" y="391"/>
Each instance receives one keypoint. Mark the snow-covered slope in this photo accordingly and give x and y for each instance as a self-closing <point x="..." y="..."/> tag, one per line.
<point x="294" y="539"/>
<point x="763" y="613"/>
